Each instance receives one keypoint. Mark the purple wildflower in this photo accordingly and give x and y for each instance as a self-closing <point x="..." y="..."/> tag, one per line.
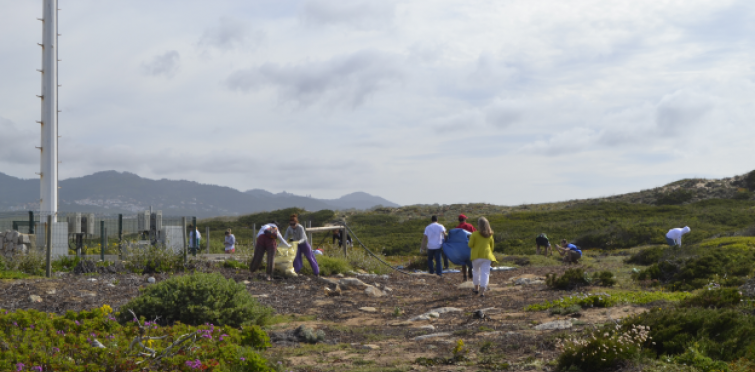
<point x="55" y="349"/>
<point x="77" y="323"/>
<point x="37" y="368"/>
<point x="243" y="359"/>
<point x="194" y="364"/>
<point x="223" y="336"/>
<point x="20" y="366"/>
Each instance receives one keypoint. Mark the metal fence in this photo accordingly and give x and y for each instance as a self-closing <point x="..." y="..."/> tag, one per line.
<point x="87" y="233"/>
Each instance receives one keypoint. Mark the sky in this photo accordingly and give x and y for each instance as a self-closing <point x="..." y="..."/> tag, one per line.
<point x="420" y="102"/>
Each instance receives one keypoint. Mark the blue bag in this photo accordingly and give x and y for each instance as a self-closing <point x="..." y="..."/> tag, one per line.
<point x="456" y="247"/>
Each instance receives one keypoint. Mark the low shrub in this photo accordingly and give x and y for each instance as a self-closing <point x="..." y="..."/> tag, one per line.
<point x="714" y="299"/>
<point x="676" y="197"/>
<point x="647" y="256"/>
<point x="727" y="266"/>
<point x="603" y="279"/>
<point x="720" y="334"/>
<point x="571" y="279"/>
<point x="197" y="299"/>
<point x="610" y="298"/>
<point x="416" y="263"/>
<point x="696" y="359"/>
<point x="328" y="266"/>
<point x="65" y="263"/>
<point x="49" y="342"/>
<point x="234" y="264"/>
<point x="603" y="349"/>
<point x="573" y="309"/>
<point x="153" y="259"/>
<point x="31" y="263"/>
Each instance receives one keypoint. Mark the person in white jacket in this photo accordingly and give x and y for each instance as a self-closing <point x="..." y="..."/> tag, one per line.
<point x="674" y="236"/>
<point x="229" y="242"/>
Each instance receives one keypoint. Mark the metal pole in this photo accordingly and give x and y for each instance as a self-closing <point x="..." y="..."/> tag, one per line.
<point x="196" y="237"/>
<point x="343" y="240"/>
<point x="120" y="236"/>
<point x="48" y="247"/>
<point x="183" y="223"/>
<point x="31" y="222"/>
<point x="309" y="226"/>
<point x="103" y="240"/>
<point x="49" y="147"/>
<point x="208" y="240"/>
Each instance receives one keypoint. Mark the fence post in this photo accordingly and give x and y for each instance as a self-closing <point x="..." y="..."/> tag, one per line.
<point x="343" y="241"/>
<point x="208" y="240"/>
<point x="31" y="222"/>
<point x="310" y="234"/>
<point x="120" y="236"/>
<point x="183" y="223"/>
<point x="48" y="244"/>
<point x="103" y="240"/>
<point x="196" y="238"/>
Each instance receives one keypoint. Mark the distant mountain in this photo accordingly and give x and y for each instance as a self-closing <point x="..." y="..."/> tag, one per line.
<point x="117" y="192"/>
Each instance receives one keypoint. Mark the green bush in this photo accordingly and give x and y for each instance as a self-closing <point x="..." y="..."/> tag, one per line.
<point x="694" y="358"/>
<point x="573" y="309"/>
<point x="603" y="349"/>
<point x="750" y="181"/>
<point x="676" y="197"/>
<point x="714" y="299"/>
<point x="571" y="279"/>
<point x="197" y="299"/>
<point x="647" y="256"/>
<point x="603" y="279"/>
<point x="328" y="266"/>
<point x="720" y="334"/>
<point x="153" y="259"/>
<point x="727" y="266"/>
<point x="65" y="263"/>
<point x="233" y="264"/>
<point x="609" y="298"/>
<point x="49" y="342"/>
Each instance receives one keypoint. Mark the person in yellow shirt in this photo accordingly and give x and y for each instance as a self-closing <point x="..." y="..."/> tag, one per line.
<point x="481" y="244"/>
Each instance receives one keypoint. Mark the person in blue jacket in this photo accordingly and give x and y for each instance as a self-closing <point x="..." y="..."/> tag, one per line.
<point x="570" y="252"/>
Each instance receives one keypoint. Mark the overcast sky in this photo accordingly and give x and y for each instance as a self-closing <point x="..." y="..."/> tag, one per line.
<point x="443" y="101"/>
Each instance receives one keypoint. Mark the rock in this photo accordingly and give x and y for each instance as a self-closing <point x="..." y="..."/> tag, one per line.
<point x="246" y="282"/>
<point x="151" y="280"/>
<point x="351" y="273"/>
<point x="387" y="289"/>
<point x="35" y="298"/>
<point x="432" y="335"/>
<point x="51" y="292"/>
<point x="368" y="309"/>
<point x="420" y="317"/>
<point x="385" y="277"/>
<point x="111" y="285"/>
<point x="333" y="292"/>
<point x="289" y="287"/>
<point x="370" y="347"/>
<point x="479" y="314"/>
<point x="93" y="280"/>
<point x="466" y="285"/>
<point x="748" y="289"/>
<point x="376" y="285"/>
<point x="528" y="281"/>
<point x="339" y="275"/>
<point x="24" y="239"/>
<point x="352" y="283"/>
<point x="555" y="325"/>
<point x="85" y="267"/>
<point x="321" y="303"/>
<point x="328" y="281"/>
<point x="429" y="327"/>
<point x="88" y="293"/>
<point x="373" y="292"/>
<point x="443" y="310"/>
<point x="98" y="344"/>
<point x="433" y="315"/>
<point x="261" y="296"/>
<point x="404" y="323"/>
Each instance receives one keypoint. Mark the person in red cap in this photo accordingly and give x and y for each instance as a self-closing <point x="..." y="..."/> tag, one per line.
<point x="463" y="224"/>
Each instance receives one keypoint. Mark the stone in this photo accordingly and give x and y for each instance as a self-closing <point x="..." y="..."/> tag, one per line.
<point x="428" y="327"/>
<point x="35" y="298"/>
<point x="111" y="285"/>
<point x="368" y="309"/>
<point x="352" y="283"/>
<point x="333" y="292"/>
<point x="466" y="285"/>
<point x="385" y="277"/>
<point x="351" y="273"/>
<point x="328" y="281"/>
<point x="528" y="281"/>
<point x="554" y="325"/>
<point x="88" y="293"/>
<point x="432" y="335"/>
<point x="22" y="248"/>
<point x="321" y="303"/>
<point x="373" y="292"/>
<point x="443" y="310"/>
<point x="246" y="282"/>
<point x="24" y="239"/>
<point x="419" y="318"/>
<point x="51" y="292"/>
<point x="289" y="287"/>
<point x="261" y="296"/>
<point x="387" y="289"/>
<point x="339" y="275"/>
<point x="93" y="280"/>
<point x="404" y="323"/>
<point x="151" y="280"/>
<point x="370" y="347"/>
<point x="433" y="315"/>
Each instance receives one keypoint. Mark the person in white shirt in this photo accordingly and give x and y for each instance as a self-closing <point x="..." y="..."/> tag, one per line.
<point x="433" y="239"/>
<point x="194" y="237"/>
<point x="267" y="242"/>
<point x="674" y="236"/>
<point x="230" y="242"/>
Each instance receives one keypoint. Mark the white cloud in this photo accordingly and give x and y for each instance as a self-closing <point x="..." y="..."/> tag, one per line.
<point x="359" y="14"/>
<point x="230" y="34"/>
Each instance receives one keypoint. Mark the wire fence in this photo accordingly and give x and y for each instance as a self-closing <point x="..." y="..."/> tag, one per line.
<point x="84" y="233"/>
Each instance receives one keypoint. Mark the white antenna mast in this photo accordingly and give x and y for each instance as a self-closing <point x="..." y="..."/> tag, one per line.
<point x="49" y="148"/>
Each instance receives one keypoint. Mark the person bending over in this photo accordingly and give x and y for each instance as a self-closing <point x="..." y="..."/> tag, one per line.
<point x="674" y="236"/>
<point x="267" y="242"/>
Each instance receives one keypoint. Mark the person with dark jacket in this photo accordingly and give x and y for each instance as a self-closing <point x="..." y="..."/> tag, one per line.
<point x="542" y="241"/>
<point x="337" y="236"/>
<point x="466" y="269"/>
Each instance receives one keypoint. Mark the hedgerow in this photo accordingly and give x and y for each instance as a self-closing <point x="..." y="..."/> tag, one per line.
<point x="94" y="341"/>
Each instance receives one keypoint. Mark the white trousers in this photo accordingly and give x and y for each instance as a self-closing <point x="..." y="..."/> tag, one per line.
<point x="481" y="272"/>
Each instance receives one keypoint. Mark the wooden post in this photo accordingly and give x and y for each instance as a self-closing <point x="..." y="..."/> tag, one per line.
<point x="186" y="247"/>
<point x="103" y="240"/>
<point x="48" y="246"/>
<point x="208" y="239"/>
<point x="343" y="240"/>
